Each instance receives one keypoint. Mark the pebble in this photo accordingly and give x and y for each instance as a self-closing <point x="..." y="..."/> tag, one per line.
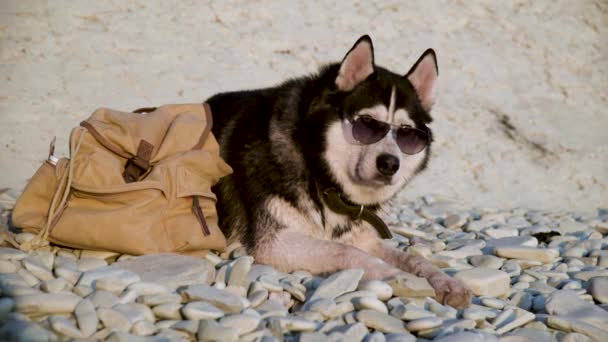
<point x="53" y="285"/>
<point x="170" y="270"/>
<point x="7" y="266"/>
<point x="113" y="319"/>
<point x="201" y="310"/>
<point x="598" y="288"/>
<point x="424" y="323"/>
<point x="485" y="281"/>
<point x="521" y="317"/>
<point x="63" y="326"/>
<point x="160" y="298"/>
<point x="103" y="299"/>
<point x="38" y="269"/>
<point x="380" y="321"/>
<point x="363" y="303"/>
<point x="545" y="255"/>
<point x="70" y="275"/>
<point x="7" y="253"/>
<point x="338" y="284"/>
<point x="209" y="330"/>
<point x="87" y="263"/>
<point x="493" y="303"/>
<point x="239" y="270"/>
<point x="168" y="311"/>
<point x="410" y="312"/>
<point x="487" y="261"/>
<point x="143" y="328"/>
<point x="293" y="324"/>
<point x="242" y="323"/>
<point x="135" y="312"/>
<point x="86" y="316"/>
<point x="144" y="288"/>
<point x="381" y="289"/>
<point x="47" y="303"/>
<point x="406" y="285"/>
<point x="223" y="300"/>
<point x="351" y="332"/>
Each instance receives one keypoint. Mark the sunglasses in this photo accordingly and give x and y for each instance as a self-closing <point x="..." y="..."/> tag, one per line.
<point x="367" y="130"/>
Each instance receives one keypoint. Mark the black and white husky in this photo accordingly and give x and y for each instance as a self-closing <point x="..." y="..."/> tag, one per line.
<point x="351" y="136"/>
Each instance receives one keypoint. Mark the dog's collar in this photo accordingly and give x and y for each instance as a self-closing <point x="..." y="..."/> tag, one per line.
<point x="333" y="199"/>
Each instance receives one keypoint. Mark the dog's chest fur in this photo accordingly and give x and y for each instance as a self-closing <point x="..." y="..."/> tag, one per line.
<point x="318" y="222"/>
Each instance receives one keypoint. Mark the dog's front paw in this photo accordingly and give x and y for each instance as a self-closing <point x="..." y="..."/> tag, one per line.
<point x="450" y="291"/>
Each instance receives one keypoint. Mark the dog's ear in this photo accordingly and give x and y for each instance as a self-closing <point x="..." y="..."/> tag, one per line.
<point x="357" y="65"/>
<point x="423" y="76"/>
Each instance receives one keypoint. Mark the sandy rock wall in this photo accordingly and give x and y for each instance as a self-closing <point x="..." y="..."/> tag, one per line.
<point x="521" y="113"/>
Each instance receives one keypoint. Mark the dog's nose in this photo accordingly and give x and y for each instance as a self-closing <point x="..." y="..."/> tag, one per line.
<point x="387" y="164"/>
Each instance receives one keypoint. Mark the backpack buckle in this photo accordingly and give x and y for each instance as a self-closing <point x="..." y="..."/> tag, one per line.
<point x="138" y="165"/>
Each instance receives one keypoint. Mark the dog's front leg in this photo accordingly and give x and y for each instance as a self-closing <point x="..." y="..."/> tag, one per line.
<point x="448" y="290"/>
<point x="290" y="250"/>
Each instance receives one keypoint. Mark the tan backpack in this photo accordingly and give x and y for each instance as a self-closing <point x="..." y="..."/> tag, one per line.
<point x="135" y="183"/>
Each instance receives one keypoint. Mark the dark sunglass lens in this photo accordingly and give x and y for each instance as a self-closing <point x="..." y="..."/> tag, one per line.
<point x="411" y="141"/>
<point x="368" y="131"/>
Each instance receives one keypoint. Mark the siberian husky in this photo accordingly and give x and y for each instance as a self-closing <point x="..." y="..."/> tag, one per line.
<point x="316" y="156"/>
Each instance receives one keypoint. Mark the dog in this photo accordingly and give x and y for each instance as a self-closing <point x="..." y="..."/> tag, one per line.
<point x="315" y="157"/>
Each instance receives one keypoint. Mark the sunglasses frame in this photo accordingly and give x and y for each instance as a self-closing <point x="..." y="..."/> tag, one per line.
<point x="393" y="129"/>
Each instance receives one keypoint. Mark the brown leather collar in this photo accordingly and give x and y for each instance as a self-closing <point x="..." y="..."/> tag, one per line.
<point x="334" y="201"/>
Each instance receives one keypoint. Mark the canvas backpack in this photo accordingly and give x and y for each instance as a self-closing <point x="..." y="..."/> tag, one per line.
<point x="135" y="183"/>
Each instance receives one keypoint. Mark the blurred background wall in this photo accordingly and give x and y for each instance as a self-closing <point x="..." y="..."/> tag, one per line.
<point x="521" y="117"/>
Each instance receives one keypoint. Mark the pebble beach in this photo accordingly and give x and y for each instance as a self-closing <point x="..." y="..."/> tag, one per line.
<point x="514" y="202"/>
<point x="536" y="275"/>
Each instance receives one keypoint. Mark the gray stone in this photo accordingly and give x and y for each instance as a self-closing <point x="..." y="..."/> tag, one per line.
<point x="145" y="288"/>
<point x="171" y="270"/>
<point x="7" y="253"/>
<point x="201" y="310"/>
<point x="224" y="300"/>
<point x="545" y="255"/>
<point x="424" y="323"/>
<point x="294" y="324"/>
<point x="471" y="336"/>
<point x="103" y="299"/>
<point x="89" y="277"/>
<point x="37" y="268"/>
<point x="239" y="270"/>
<point x="88" y="264"/>
<point x="158" y="299"/>
<point x="24" y="331"/>
<point x="362" y="303"/>
<point x="407" y="285"/>
<point x="485" y="281"/>
<point x="63" y="326"/>
<point x="242" y="323"/>
<point x="487" y="261"/>
<point x="86" y="316"/>
<point x="47" y="303"/>
<point x="8" y="266"/>
<point x="478" y="314"/>
<point x="521" y="317"/>
<point x="213" y="331"/>
<point x="410" y="312"/>
<point x="568" y="305"/>
<point x="572" y="324"/>
<point x="338" y="283"/>
<point x="113" y="319"/>
<point x="143" y="328"/>
<point x="135" y="312"/>
<point x="168" y="311"/>
<point x="69" y="274"/>
<point x="53" y="285"/>
<point x="380" y="321"/>
<point x="351" y="332"/>
<point x="598" y="288"/>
